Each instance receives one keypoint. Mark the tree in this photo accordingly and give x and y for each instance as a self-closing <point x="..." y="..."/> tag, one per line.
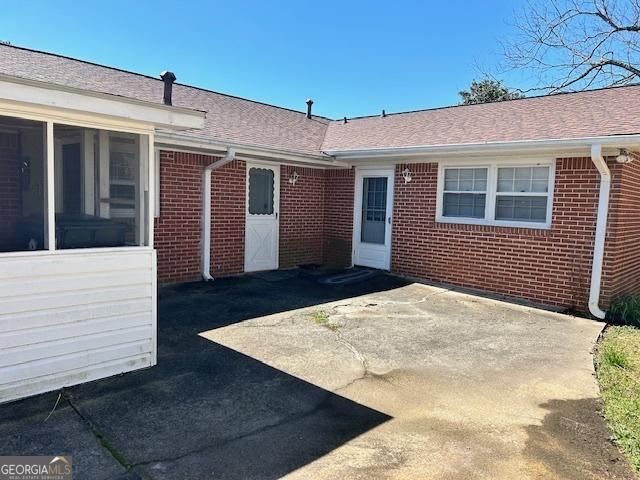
<point x="485" y="91"/>
<point x="577" y="44"/>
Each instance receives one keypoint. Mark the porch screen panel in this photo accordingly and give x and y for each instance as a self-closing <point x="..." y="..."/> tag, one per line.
<point x="23" y="189"/>
<point x="374" y="210"/>
<point x="100" y="189"/>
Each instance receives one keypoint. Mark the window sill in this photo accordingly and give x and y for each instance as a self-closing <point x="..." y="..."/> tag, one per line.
<point x="493" y="223"/>
<point x="75" y="251"/>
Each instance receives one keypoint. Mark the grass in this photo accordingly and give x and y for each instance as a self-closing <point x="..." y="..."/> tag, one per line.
<point x="321" y="318"/>
<point x="625" y="310"/>
<point x="618" y="372"/>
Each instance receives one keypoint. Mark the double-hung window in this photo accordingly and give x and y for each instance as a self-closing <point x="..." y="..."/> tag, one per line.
<point x="496" y="194"/>
<point x="465" y="192"/>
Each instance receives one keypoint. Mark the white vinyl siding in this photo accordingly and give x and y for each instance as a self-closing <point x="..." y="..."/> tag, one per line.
<point x="516" y="194"/>
<point x="67" y="318"/>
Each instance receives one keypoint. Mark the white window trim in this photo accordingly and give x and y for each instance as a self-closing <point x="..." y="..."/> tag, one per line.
<point x="491" y="193"/>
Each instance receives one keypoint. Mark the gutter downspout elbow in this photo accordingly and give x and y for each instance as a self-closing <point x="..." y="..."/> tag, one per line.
<point x="205" y="254"/>
<point x="601" y="230"/>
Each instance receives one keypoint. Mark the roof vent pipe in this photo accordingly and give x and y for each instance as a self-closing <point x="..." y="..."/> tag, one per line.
<point x="345" y="120"/>
<point x="309" y="105"/>
<point x="383" y="114"/>
<point x="168" y="78"/>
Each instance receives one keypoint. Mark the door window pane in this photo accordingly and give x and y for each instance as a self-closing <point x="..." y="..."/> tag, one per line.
<point x="100" y="188"/>
<point x="522" y="208"/>
<point x="22" y="185"/>
<point x="261" y="190"/>
<point x="374" y="210"/>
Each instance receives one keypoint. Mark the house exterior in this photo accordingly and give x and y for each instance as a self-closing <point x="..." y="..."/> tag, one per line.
<point x="113" y="182"/>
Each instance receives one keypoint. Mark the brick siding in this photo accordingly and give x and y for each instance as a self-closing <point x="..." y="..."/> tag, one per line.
<point x="228" y="199"/>
<point x="621" y="271"/>
<point x="177" y="230"/>
<point x="338" y="214"/>
<point x="301" y="216"/>
<point x="548" y="266"/>
<point x="552" y="266"/>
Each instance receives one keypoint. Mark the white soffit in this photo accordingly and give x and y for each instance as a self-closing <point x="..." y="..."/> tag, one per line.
<point x="51" y="96"/>
<point x="550" y="146"/>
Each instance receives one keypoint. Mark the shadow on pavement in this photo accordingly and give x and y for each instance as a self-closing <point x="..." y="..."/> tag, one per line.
<point x="204" y="411"/>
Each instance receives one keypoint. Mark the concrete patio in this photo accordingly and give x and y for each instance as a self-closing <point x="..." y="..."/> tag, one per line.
<point x="274" y="375"/>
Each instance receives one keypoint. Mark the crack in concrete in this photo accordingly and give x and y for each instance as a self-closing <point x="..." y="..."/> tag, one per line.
<point x="100" y="437"/>
<point x="258" y="431"/>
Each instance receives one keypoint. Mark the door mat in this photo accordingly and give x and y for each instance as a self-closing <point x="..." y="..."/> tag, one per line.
<point x="349" y="277"/>
<point x="277" y="275"/>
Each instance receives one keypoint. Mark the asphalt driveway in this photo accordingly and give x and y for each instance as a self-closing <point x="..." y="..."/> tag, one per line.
<point x="276" y="375"/>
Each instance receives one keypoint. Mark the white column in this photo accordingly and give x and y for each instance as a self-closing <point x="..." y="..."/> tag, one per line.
<point x="153" y="196"/>
<point x="50" y="202"/>
<point x="103" y="161"/>
<point x="89" y="171"/>
<point x="142" y="188"/>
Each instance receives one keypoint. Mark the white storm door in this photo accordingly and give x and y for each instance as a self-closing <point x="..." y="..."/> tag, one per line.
<point x="372" y="218"/>
<point x="261" y="228"/>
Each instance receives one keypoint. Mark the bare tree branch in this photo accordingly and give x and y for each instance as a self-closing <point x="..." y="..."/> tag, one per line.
<point x="576" y="44"/>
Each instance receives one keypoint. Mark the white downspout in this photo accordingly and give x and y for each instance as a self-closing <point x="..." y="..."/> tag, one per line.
<point x="205" y="254"/>
<point x="601" y="230"/>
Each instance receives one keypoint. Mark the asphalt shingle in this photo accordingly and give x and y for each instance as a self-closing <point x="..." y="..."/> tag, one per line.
<point x="565" y="116"/>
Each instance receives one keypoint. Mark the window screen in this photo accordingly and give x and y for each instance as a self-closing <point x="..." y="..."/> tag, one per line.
<point x="261" y="191"/>
<point x="522" y="194"/>
<point x="465" y="192"/>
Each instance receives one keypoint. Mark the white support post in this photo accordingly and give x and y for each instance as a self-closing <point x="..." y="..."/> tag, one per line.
<point x="89" y="170"/>
<point x="103" y="156"/>
<point x="142" y="190"/>
<point x="153" y="170"/>
<point x="50" y="202"/>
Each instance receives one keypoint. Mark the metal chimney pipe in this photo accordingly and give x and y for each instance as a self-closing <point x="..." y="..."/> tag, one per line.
<point x="309" y="104"/>
<point x="168" y="78"/>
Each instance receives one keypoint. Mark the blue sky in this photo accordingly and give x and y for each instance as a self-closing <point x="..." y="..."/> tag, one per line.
<point x="353" y="58"/>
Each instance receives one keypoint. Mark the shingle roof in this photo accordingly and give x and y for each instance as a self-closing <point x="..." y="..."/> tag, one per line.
<point x="228" y="118"/>
<point x="602" y="112"/>
<point x="612" y="111"/>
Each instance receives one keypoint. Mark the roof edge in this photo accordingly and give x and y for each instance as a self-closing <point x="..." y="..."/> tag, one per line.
<point x="626" y="140"/>
<point x="210" y="145"/>
<point x="523" y="99"/>
<point x="149" y="77"/>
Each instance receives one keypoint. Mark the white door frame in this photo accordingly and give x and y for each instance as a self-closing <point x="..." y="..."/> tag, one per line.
<point x="360" y="174"/>
<point x="276" y="211"/>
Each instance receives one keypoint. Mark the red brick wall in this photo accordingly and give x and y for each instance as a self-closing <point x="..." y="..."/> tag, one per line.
<point x="621" y="271"/>
<point x="338" y="216"/>
<point x="547" y="266"/>
<point x="228" y="197"/>
<point x="301" y="216"/>
<point x="177" y="230"/>
<point x="10" y="193"/>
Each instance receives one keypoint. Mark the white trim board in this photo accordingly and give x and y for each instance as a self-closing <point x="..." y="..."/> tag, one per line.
<point x="46" y="95"/>
<point x="373" y="255"/>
